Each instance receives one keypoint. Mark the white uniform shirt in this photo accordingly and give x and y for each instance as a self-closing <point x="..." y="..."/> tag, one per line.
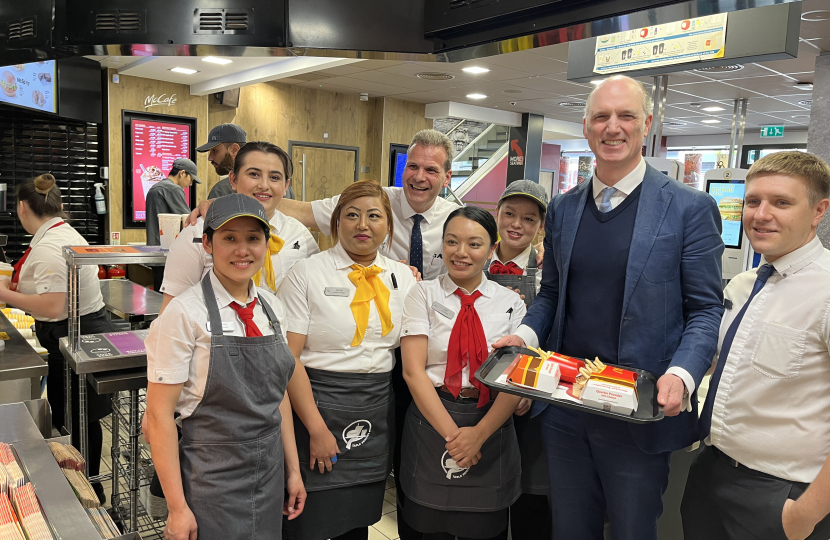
<point x="188" y="262"/>
<point x="772" y="407"/>
<point x="522" y="260"/>
<point x="499" y="310"/>
<point x="178" y="345"/>
<point x="317" y="295"/>
<point x="45" y="269"/>
<point x="432" y="228"/>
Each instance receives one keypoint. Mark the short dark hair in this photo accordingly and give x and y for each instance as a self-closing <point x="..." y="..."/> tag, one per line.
<point x="43" y="196"/>
<point x="266" y="148"/>
<point x="173" y="172"/>
<point x="480" y="216"/>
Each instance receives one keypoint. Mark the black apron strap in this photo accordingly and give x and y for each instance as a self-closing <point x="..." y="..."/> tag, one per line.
<point x="269" y="312"/>
<point x="531" y="262"/>
<point x="212" y="307"/>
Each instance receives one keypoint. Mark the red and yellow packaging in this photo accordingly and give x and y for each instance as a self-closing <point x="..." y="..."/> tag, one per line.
<point x="612" y="389"/>
<point x="534" y="373"/>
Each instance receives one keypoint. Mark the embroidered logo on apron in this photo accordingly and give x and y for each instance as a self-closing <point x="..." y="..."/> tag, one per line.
<point x="451" y="468"/>
<point x="356" y="433"/>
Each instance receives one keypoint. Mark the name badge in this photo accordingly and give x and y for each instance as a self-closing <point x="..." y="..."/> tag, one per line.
<point x="226" y="326"/>
<point x="336" y="291"/>
<point x="443" y="310"/>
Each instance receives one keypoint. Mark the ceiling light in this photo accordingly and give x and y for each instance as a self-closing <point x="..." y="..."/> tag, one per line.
<point x="435" y="76"/>
<point x="185" y="71"/>
<point x="215" y="60"/>
<point x="713" y="109"/>
<point x="712" y="121"/>
<point x="475" y="70"/>
<point x="815" y="16"/>
<point x="476" y="96"/>
<point x="597" y="82"/>
<point x="694" y="105"/>
<point x="720" y="69"/>
<point x="807" y="86"/>
<point x="572" y="104"/>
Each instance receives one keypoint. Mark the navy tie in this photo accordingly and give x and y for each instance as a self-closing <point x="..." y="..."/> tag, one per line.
<point x="705" y="424"/>
<point x="416" y="245"/>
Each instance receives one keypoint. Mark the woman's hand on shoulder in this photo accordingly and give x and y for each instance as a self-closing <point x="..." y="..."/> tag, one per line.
<point x="414" y="271"/>
<point x="295" y="502"/>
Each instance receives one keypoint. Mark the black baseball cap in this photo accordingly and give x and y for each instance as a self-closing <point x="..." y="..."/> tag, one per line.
<point x="526" y="188"/>
<point x="224" y="133"/>
<point x="233" y="206"/>
<point x="184" y="164"/>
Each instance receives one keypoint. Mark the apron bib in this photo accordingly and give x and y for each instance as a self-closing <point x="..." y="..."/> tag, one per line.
<point x="525" y="284"/>
<point x="430" y="477"/>
<point x="359" y="410"/>
<point x="231" y="448"/>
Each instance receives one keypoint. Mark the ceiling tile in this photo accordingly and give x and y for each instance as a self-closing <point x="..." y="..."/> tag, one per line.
<point x="409" y="82"/>
<point x="775" y="85"/>
<point x="712" y="90"/>
<point x="749" y="70"/>
<point x="551" y="85"/>
<point x="373" y="88"/>
<point x="344" y="70"/>
<point x="527" y="61"/>
<point x="768" y="105"/>
<point x="795" y="98"/>
<point x="376" y="64"/>
<point x="558" y="51"/>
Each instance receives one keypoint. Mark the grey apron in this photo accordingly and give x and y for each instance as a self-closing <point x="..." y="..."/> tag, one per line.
<point x="359" y="410"/>
<point x="231" y="448"/>
<point x="525" y="284"/>
<point x="431" y="478"/>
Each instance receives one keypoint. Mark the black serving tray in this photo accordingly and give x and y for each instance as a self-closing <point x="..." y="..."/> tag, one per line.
<point x="648" y="410"/>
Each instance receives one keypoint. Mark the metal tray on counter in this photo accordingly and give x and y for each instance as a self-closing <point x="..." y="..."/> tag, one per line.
<point x="648" y="410"/>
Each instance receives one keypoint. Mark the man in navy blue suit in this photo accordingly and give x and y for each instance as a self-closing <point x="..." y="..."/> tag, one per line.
<point x="632" y="275"/>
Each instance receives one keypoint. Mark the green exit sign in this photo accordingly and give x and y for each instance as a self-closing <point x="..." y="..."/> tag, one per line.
<point x="772" y="131"/>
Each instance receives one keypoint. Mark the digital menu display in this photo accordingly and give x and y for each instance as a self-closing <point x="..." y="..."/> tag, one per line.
<point x="155" y="146"/>
<point x="29" y="85"/>
<point x="729" y="196"/>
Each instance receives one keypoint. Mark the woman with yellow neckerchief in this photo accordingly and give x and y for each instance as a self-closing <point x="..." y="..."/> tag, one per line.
<point x="343" y="314"/>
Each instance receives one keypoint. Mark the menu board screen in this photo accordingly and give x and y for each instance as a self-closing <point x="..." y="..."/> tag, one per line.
<point x="155" y="146"/>
<point x="29" y="85"/>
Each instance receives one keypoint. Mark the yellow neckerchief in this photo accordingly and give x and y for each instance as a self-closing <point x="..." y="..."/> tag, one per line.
<point x="369" y="286"/>
<point x="275" y="244"/>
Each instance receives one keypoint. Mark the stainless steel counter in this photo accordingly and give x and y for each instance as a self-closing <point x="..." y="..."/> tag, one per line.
<point x="61" y="507"/>
<point x="18" y="360"/>
<point x="82" y="363"/>
<point x="130" y="301"/>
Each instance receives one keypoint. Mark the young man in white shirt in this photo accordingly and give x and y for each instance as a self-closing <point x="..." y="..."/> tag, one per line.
<point x="765" y="470"/>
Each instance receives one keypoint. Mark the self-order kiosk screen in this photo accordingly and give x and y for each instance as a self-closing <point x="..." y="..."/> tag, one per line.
<point x="729" y="196"/>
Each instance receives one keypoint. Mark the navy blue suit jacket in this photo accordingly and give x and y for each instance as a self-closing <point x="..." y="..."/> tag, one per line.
<point x="673" y="299"/>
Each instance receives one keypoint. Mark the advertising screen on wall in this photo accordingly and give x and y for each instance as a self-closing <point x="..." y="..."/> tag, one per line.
<point x="29" y="85"/>
<point x="152" y="142"/>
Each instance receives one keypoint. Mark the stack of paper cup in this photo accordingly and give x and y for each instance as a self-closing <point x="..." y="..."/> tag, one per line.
<point x="6" y="271"/>
<point x="169" y="227"/>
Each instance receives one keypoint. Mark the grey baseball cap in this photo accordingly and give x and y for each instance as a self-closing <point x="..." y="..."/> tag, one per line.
<point x="184" y="164"/>
<point x="526" y="188"/>
<point x="224" y="133"/>
<point x="233" y="206"/>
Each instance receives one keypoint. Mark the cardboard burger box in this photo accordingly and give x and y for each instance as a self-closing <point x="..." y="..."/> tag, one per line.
<point x="613" y="389"/>
<point x="533" y="373"/>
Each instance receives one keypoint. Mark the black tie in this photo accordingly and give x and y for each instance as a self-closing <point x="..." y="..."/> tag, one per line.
<point x="416" y="245"/>
<point x="705" y="424"/>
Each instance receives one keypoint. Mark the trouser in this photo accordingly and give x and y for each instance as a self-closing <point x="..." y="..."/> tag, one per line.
<point x="596" y="468"/>
<point x="530" y="518"/>
<point x="728" y="502"/>
<point x="158" y="277"/>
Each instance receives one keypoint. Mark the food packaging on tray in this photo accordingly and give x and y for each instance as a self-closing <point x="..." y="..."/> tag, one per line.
<point x="535" y="374"/>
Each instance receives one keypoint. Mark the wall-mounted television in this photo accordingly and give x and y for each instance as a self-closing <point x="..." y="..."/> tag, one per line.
<point x="397" y="163"/>
<point x="152" y="142"/>
<point x="30" y="85"/>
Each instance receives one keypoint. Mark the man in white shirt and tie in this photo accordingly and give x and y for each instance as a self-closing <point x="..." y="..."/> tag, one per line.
<point x="764" y="472"/>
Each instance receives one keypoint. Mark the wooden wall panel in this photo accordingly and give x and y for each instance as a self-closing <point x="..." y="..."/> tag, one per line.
<point x="129" y="94"/>
<point x="401" y="120"/>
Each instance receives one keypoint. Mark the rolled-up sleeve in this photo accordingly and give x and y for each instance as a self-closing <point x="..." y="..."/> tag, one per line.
<point x="170" y="345"/>
<point x="415" y="320"/>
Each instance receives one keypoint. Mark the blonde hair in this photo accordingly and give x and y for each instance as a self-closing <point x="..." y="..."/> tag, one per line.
<point x="810" y="168"/>
<point x="431" y="137"/>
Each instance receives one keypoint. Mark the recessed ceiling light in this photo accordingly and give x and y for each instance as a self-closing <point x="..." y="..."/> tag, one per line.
<point x="476" y="96"/>
<point x="720" y="69"/>
<point x="805" y="102"/>
<point x="711" y="121"/>
<point x="815" y="16"/>
<point x="808" y="86"/>
<point x="713" y="109"/>
<point x="694" y="105"/>
<point x="184" y="71"/>
<point x="428" y="76"/>
<point x="215" y="60"/>
<point x="475" y="70"/>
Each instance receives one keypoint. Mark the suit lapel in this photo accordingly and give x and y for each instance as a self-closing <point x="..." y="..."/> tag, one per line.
<point x="651" y="210"/>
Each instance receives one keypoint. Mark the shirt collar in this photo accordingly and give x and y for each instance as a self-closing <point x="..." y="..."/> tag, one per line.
<point x="522" y="259"/>
<point x="42" y="230"/>
<point x="795" y="260"/>
<point x="277" y="221"/>
<point x="449" y="287"/>
<point x="627" y="184"/>
<point x="224" y="298"/>
<point x="342" y="259"/>
<point x="407" y="211"/>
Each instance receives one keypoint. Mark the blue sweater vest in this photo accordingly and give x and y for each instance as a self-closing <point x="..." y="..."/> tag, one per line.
<point x="596" y="280"/>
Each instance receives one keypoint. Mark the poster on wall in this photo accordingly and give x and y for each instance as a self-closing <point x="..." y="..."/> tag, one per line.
<point x="152" y="142"/>
<point x="692" y="174"/>
<point x="29" y="85"/>
<point x="690" y="40"/>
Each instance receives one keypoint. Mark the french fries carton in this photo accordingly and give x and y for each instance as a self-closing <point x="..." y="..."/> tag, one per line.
<point x="613" y="389"/>
<point x="533" y="373"/>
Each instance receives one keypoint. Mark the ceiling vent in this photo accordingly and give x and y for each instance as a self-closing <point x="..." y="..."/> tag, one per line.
<point x="223" y="21"/>
<point x="572" y="104"/>
<point x="720" y="69"/>
<point x="805" y="102"/>
<point x="435" y="76"/>
<point x="674" y="123"/>
<point x="118" y="21"/>
<point x="22" y="29"/>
